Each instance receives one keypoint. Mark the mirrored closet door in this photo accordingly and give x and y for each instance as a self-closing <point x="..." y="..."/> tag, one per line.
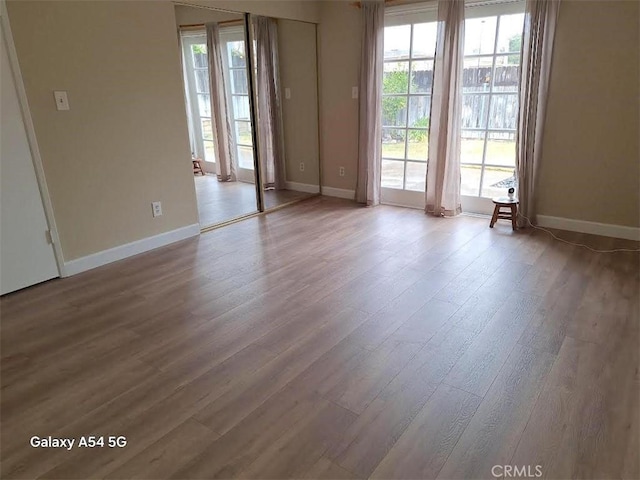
<point x="217" y="94"/>
<point x="286" y="89"/>
<point x="253" y="121"/>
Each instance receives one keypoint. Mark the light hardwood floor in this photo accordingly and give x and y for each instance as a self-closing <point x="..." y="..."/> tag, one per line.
<point x="326" y="340"/>
<point x="222" y="201"/>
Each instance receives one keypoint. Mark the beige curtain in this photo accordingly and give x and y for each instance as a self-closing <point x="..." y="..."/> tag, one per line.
<point x="271" y="141"/>
<point x="443" y="168"/>
<point x="541" y="17"/>
<point x="220" y="122"/>
<point x="370" y="134"/>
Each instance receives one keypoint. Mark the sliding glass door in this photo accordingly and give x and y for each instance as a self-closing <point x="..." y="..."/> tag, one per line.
<point x="194" y="49"/>
<point x="406" y="105"/>
<point x="490" y="103"/>
<point x="491" y="74"/>
<point x="197" y="79"/>
<point x="235" y="64"/>
<point x="409" y="50"/>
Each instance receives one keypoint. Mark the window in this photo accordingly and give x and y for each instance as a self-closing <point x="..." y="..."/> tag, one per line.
<point x="490" y="103"/>
<point x="406" y="103"/>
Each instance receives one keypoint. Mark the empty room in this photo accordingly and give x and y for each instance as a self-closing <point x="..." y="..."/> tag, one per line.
<point x="320" y="239"/>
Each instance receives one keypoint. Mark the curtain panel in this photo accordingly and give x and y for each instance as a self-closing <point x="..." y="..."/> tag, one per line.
<point x="270" y="130"/>
<point x="370" y="114"/>
<point x="442" y="195"/>
<point x="541" y="17"/>
<point x="220" y="121"/>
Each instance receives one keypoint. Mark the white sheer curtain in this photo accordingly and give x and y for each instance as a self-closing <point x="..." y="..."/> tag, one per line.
<point x="270" y="141"/>
<point x="370" y="135"/>
<point x="443" y="168"/>
<point x="220" y="122"/>
<point x="541" y="17"/>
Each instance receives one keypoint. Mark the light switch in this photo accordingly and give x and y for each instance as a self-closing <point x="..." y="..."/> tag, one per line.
<point x="287" y="93"/>
<point x="62" y="102"/>
<point x="354" y="92"/>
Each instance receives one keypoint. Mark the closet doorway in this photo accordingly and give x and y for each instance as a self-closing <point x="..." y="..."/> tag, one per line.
<point x="217" y="95"/>
<point x="252" y="112"/>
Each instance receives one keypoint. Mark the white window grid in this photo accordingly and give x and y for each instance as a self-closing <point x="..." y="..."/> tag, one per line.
<point x="411" y="59"/>
<point x="491" y="96"/>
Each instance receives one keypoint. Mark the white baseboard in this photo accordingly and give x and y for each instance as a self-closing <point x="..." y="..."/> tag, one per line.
<point x="120" y="252"/>
<point x="302" y="187"/>
<point x="339" y="193"/>
<point x="594" y="228"/>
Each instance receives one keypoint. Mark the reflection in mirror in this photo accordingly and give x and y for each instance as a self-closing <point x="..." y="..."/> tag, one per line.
<point x="217" y="98"/>
<point x="287" y="108"/>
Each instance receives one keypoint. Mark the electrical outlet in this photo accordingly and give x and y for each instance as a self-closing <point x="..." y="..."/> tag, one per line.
<point x="354" y="93"/>
<point x="302" y="166"/>
<point x="287" y="93"/>
<point x="341" y="171"/>
<point x="156" y="209"/>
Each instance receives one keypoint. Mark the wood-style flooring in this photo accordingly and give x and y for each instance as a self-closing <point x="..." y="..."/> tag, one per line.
<point x="223" y="201"/>
<point x="327" y="340"/>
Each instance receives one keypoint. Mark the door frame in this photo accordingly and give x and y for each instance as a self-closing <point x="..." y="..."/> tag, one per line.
<point x="32" y="139"/>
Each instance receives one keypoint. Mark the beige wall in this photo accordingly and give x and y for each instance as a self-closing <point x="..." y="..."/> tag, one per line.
<point x="124" y="143"/>
<point x="195" y="15"/>
<point x="591" y="162"/>
<point x="306" y="10"/>
<point x="339" y="60"/>
<point x="298" y="72"/>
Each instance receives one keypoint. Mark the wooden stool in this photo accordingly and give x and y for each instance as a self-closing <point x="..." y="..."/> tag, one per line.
<point x="197" y="166"/>
<point x="505" y="202"/>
